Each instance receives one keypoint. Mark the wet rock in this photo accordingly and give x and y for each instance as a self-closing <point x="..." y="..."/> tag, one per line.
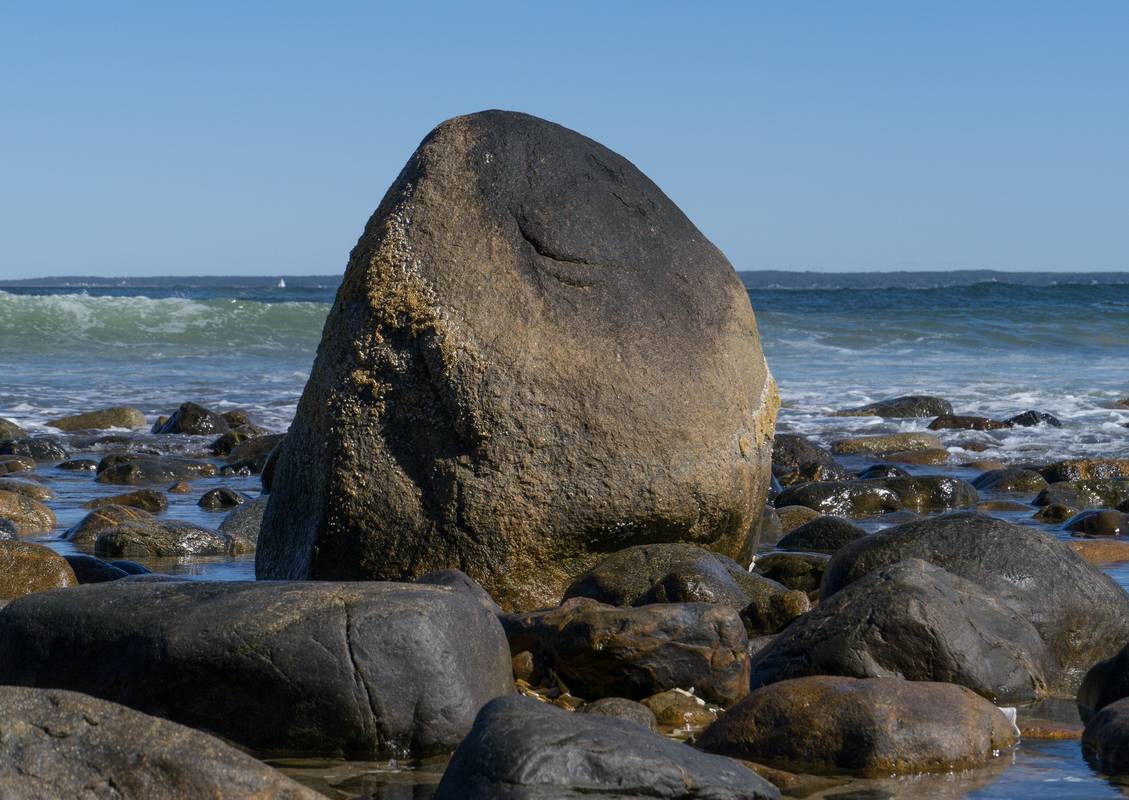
<point x="1084" y="493"/>
<point x="269" y="467"/>
<point x="770" y="529"/>
<point x="1076" y="469"/>
<point x="915" y="621"/>
<point x="461" y="582"/>
<point x="221" y="499"/>
<point x="773" y="609"/>
<point x="796" y="459"/>
<point x="11" y="465"/>
<point x="1098" y="522"/>
<point x="1105" y="682"/>
<point x="363" y="670"/>
<point x="800" y="571"/>
<point x="520" y="749"/>
<point x="1054" y="514"/>
<point x="88" y="569"/>
<point x="180" y="487"/>
<point x="228" y="441"/>
<point x="426" y="477"/>
<point x="253" y="454"/>
<point x="41" y="448"/>
<point x="239" y="420"/>
<point x="622" y="708"/>
<point x="886" y="443"/>
<point x="130" y="567"/>
<point x="813" y="724"/>
<point x="1010" y="480"/>
<point x="150" y="539"/>
<point x="1101" y="552"/>
<point x="792" y="517"/>
<point x="1105" y="741"/>
<point x="145" y="499"/>
<point x="1029" y="419"/>
<point x="8" y="529"/>
<point x="925" y="457"/>
<point x="607" y="651"/>
<point x="28" y="488"/>
<point x="821" y="535"/>
<point x="29" y="516"/>
<point x="154" y="470"/>
<point x="246" y="520"/>
<point x="79" y="465"/>
<point x="984" y="464"/>
<point x="119" y="417"/>
<point x="1080" y="613"/>
<point x="84" y="533"/>
<point x="10" y="430"/>
<point x="882" y="471"/>
<point x="870" y="498"/>
<point x="679" y="708"/>
<point x="192" y="419"/>
<point x="27" y="568"/>
<point x="1004" y="506"/>
<point x="905" y="407"/>
<point x="959" y="422"/>
<point x="60" y="744"/>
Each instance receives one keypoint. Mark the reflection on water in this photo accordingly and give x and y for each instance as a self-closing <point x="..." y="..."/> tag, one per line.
<point x="379" y="780"/>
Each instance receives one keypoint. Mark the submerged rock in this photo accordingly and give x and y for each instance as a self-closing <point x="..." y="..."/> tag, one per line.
<point x="947" y="422"/>
<point x="59" y="744"/>
<point x="364" y="670"/>
<point x="520" y="749"/>
<point x="502" y="381"/>
<point x="814" y="724"/>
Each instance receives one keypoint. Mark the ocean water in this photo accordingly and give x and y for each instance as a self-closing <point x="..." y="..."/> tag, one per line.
<point x="993" y="344"/>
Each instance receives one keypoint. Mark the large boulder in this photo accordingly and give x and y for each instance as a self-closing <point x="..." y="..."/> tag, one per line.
<point x="27" y="568"/>
<point x="1080" y="613"/>
<point x="535" y="358"/>
<point x="520" y="749"/>
<point x="877" y="726"/>
<point x="60" y="744"/>
<point x="118" y="417"/>
<point x="915" y="621"/>
<point x="358" y="669"/>
<point x="607" y="651"/>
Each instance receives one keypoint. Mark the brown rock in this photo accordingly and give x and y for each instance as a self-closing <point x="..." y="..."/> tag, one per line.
<point x="84" y="533"/>
<point x="27" y="568"/>
<point x="886" y="443"/>
<point x="1101" y="551"/>
<point x="119" y="417"/>
<point x="145" y="499"/>
<point x="792" y="517"/>
<point x="678" y="708"/>
<point x="36" y="491"/>
<point x="29" y="516"/>
<point x="959" y="422"/>
<point x="929" y="456"/>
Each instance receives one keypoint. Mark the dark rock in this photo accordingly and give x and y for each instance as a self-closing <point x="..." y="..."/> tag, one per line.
<point x="10" y="465"/>
<point x="1076" y="469"/>
<point x="154" y="470"/>
<point x="607" y="651"/>
<point x="792" y="517"/>
<point x="886" y="443"/>
<point x="246" y="520"/>
<point x="1106" y="682"/>
<point x="800" y="571"/>
<point x="28" y="488"/>
<point x="870" y="498"/>
<point x="10" y="430"/>
<point x="153" y="538"/>
<point x="84" y="533"/>
<point x="959" y="422"/>
<point x="60" y="744"/>
<point x="770" y="529"/>
<point x="774" y="609"/>
<point x="460" y="582"/>
<point x="814" y="725"/>
<point x="901" y="408"/>
<point x="489" y="306"/>
<point x="194" y="420"/>
<point x="1085" y="493"/>
<point x="239" y="420"/>
<point x="79" y="465"/>
<point x="88" y="569"/>
<point x="8" y="530"/>
<point x="1010" y="480"/>
<point x="42" y="448"/>
<point x="1054" y="514"/>
<point x="228" y="441"/>
<point x="29" y="516"/>
<point x="27" y="568"/>
<point x="915" y="621"/>
<point x="822" y="535"/>
<point x="796" y="459"/>
<point x="520" y="749"/>
<point x="363" y="670"/>
<point x="119" y="417"/>
<point x="131" y="567"/>
<point x="180" y="487"/>
<point x="269" y="466"/>
<point x="622" y="708"/>
<point x="1098" y="522"/>
<point x="1029" y="419"/>
<point x="221" y="499"/>
<point x="253" y="453"/>
<point x="145" y="499"/>
<point x="1080" y="613"/>
<point x="1105" y="741"/>
<point x="882" y="471"/>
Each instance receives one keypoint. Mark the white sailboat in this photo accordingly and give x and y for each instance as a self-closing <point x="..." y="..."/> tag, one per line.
<point x="281" y="283"/>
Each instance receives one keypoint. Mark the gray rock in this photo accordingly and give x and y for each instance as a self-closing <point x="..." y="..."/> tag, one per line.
<point x="460" y="582"/>
<point x="823" y="535"/>
<point x="246" y="520"/>
<point x="501" y="383"/>
<point x="622" y="708"/>
<point x="363" y="670"/>
<point x="520" y="749"/>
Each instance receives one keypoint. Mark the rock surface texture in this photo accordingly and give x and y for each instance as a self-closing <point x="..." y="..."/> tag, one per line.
<point x="534" y="359"/>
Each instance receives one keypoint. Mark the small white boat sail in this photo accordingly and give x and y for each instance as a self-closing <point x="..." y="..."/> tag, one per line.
<point x="281" y="283"/>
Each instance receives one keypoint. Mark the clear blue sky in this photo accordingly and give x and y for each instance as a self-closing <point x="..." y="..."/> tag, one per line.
<point x="201" y="138"/>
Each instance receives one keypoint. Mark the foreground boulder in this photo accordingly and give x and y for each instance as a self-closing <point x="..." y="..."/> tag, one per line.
<point x="119" y="417"/>
<point x="27" y="568"/>
<point x="1080" y="613"/>
<point x="502" y="382"/>
<point x="520" y="749"/>
<point x="60" y="744"/>
<point x="915" y="621"/>
<point x="605" y="651"/>
<point x="363" y="669"/>
<point x="877" y="727"/>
